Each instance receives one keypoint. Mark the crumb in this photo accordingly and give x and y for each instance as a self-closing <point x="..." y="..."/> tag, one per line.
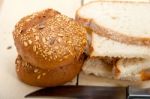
<point x="9" y="47"/>
<point x="114" y="17"/>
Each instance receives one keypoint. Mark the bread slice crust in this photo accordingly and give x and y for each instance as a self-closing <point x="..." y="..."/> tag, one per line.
<point x="110" y="33"/>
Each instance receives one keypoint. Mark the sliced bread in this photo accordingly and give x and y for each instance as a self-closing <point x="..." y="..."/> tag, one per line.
<point x="102" y="46"/>
<point x="126" y="67"/>
<point x="126" y="22"/>
<point x="141" y="76"/>
<point x="97" y="67"/>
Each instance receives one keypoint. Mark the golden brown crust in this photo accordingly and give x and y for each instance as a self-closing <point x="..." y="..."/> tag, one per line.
<point x="110" y="60"/>
<point x="114" y="35"/>
<point x="145" y="75"/>
<point x="111" y="34"/>
<point x="46" y="78"/>
<point x="116" y="71"/>
<point x="48" y="39"/>
<point x="86" y="22"/>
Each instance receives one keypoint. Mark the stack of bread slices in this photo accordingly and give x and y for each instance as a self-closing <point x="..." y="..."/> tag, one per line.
<point x="119" y="39"/>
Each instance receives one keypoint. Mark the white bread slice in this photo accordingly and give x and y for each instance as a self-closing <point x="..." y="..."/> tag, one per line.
<point x="93" y="80"/>
<point x="141" y="76"/>
<point x="126" y="67"/>
<point x="101" y="46"/>
<point x="126" y="22"/>
<point x="97" y="67"/>
<point x="144" y="75"/>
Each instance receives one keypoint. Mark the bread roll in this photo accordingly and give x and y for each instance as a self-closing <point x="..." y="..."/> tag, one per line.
<point x="49" y="40"/>
<point x="35" y="76"/>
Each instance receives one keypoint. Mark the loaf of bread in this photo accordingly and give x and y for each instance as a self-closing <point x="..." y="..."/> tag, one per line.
<point x="50" y="47"/>
<point x="36" y="76"/>
<point x="48" y="39"/>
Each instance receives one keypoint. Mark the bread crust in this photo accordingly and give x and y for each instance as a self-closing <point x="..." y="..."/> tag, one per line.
<point x="145" y="75"/>
<point x="111" y="34"/>
<point x="142" y="75"/>
<point x="116" y="72"/>
<point x="48" y="39"/>
<point x="35" y="76"/>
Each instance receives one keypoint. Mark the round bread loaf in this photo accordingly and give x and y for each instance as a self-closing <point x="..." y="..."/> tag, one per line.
<point x="49" y="40"/>
<point x="44" y="77"/>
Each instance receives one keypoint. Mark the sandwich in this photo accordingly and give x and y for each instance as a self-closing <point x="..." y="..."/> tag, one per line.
<point x="120" y="39"/>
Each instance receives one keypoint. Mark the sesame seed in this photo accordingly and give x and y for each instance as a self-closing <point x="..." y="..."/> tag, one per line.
<point x="27" y="20"/>
<point x="45" y="58"/>
<point x="33" y="29"/>
<point x="18" y="62"/>
<point x="36" y="70"/>
<point x="69" y="42"/>
<point x="36" y="53"/>
<point x="36" y="38"/>
<point x="65" y="56"/>
<point x="41" y="26"/>
<point x="43" y="39"/>
<point x="43" y="74"/>
<point x="59" y="34"/>
<point x="25" y="44"/>
<point x="49" y="53"/>
<point x="17" y="69"/>
<point x="39" y="76"/>
<point x="34" y="48"/>
<point x="84" y="41"/>
<point x="25" y="64"/>
<point x="47" y="38"/>
<point x="59" y="40"/>
<point x="60" y="60"/>
<point x="29" y="41"/>
<point x="51" y="28"/>
<point x="55" y="56"/>
<point x="56" y="47"/>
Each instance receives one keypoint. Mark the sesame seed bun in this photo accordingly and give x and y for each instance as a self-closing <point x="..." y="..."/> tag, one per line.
<point x="44" y="77"/>
<point x="49" y="40"/>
